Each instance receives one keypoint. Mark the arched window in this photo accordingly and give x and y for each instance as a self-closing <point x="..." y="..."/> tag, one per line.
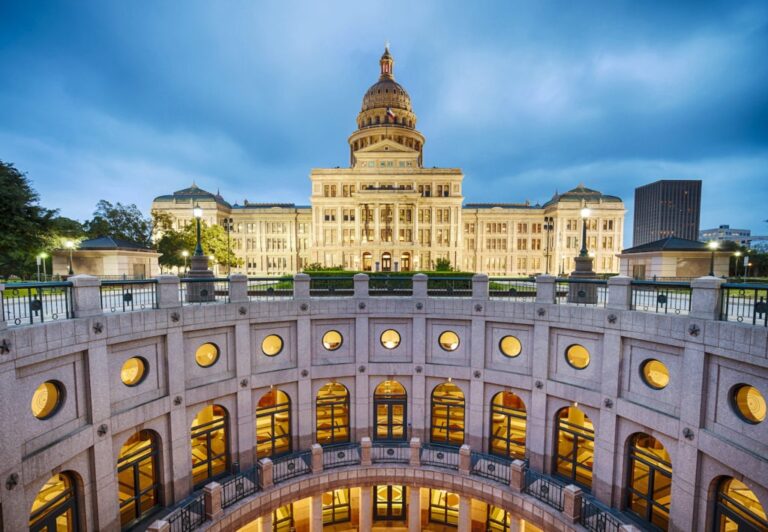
<point x="649" y="483"/>
<point x="575" y="446"/>
<point x="386" y="262"/>
<point x="332" y="412"/>
<point x="138" y="480"/>
<point x="273" y="424"/>
<point x="367" y="262"/>
<point x="737" y="508"/>
<point x="508" y="423"/>
<point x="55" y="507"/>
<point x="210" y="454"/>
<point x="447" y="415"/>
<point x="405" y="262"/>
<point x="390" y="412"/>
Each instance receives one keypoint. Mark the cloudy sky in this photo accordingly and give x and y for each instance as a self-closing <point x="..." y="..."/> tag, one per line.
<point x="129" y="100"/>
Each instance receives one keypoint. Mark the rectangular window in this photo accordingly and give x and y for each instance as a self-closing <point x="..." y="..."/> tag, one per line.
<point x="443" y="507"/>
<point x="522" y="244"/>
<point x="522" y="228"/>
<point x="336" y="507"/>
<point x="536" y="244"/>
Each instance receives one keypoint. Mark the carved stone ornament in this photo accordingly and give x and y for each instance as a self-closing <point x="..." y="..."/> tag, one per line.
<point x="361" y="369"/>
<point x="694" y="330"/>
<point x="541" y="312"/>
<point x="244" y="383"/>
<point x="243" y="311"/>
<point x="419" y="305"/>
<point x="5" y="347"/>
<point x="98" y="327"/>
<point x="102" y="430"/>
<point x="612" y="318"/>
<point x="539" y="385"/>
<point x="12" y="481"/>
<point x="608" y="402"/>
<point x="419" y="369"/>
<point x="478" y="307"/>
<point x="175" y="317"/>
<point x="304" y="307"/>
<point x="477" y="374"/>
<point x="177" y="400"/>
<point x="687" y="433"/>
<point x="361" y="305"/>
<point x="304" y="373"/>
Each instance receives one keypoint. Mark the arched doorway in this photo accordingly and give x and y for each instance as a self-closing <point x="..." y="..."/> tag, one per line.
<point x="210" y="452"/>
<point x="405" y="262"/>
<point x="367" y="262"/>
<point x="273" y="424"/>
<point x="575" y="446"/>
<point x="332" y="414"/>
<point x="390" y="412"/>
<point x="386" y="262"/>
<point x="138" y="480"/>
<point x="508" y="425"/>
<point x="737" y="507"/>
<point x="649" y="482"/>
<point x="55" y="507"/>
<point x="447" y="419"/>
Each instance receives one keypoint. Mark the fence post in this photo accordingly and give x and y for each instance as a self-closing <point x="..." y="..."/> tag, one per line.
<point x="705" y="298"/>
<point x="301" y="286"/>
<point x="159" y="526"/>
<point x="517" y="476"/>
<point x="365" y="451"/>
<point x="360" y="281"/>
<point x="238" y="288"/>
<point x="167" y="291"/>
<point x="545" y="289"/>
<point x="420" y="281"/>
<point x="266" y="473"/>
<point x="572" y="495"/>
<point x="629" y="528"/>
<point x="465" y="455"/>
<point x="2" y="307"/>
<point x="86" y="296"/>
<point x="212" y="493"/>
<point x="415" y="452"/>
<point x="480" y="286"/>
<point x="317" y="458"/>
<point x="619" y="292"/>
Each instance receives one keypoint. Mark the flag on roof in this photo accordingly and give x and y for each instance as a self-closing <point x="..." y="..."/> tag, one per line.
<point x="390" y="113"/>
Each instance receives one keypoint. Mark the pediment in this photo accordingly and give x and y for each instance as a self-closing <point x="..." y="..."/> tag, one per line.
<point x="388" y="146"/>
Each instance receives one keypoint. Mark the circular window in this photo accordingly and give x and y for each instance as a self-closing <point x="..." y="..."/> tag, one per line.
<point x="207" y="355"/>
<point x="47" y="399"/>
<point x="390" y="339"/>
<point x="577" y="356"/>
<point x="749" y="403"/>
<point x="332" y="340"/>
<point x="449" y="340"/>
<point x="510" y="346"/>
<point x="655" y="373"/>
<point x="133" y="371"/>
<point x="272" y="345"/>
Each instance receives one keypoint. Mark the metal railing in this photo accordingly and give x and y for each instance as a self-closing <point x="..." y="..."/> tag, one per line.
<point x="291" y="466"/>
<point x="439" y="456"/>
<point x="544" y="488"/>
<point x="189" y="515"/>
<point x="341" y="455"/>
<point x="331" y="286"/>
<point x="193" y="291"/>
<point x="744" y="303"/>
<point x="126" y="296"/>
<point x="521" y="289"/>
<point x="239" y="486"/>
<point x="584" y="292"/>
<point x="596" y="517"/>
<point x="489" y="466"/>
<point x="36" y="302"/>
<point x="661" y="297"/>
<point x="449" y="286"/>
<point x="390" y="286"/>
<point x="391" y="453"/>
<point x="261" y="288"/>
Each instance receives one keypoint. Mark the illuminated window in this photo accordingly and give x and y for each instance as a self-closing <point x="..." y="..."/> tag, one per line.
<point x="55" y="507"/>
<point x="47" y="399"/>
<point x="737" y="508"/>
<point x="272" y="345"/>
<point x="273" y="424"/>
<point x="655" y="373"/>
<point x="447" y="415"/>
<point x="133" y="371"/>
<point x="332" y="412"/>
<point x="390" y="407"/>
<point x="332" y="340"/>
<point x="577" y="356"/>
<point x="749" y="403"/>
<point x="389" y="504"/>
<point x="138" y="482"/>
<point x="508" y="423"/>
<point x="510" y="346"/>
<point x="336" y="507"/>
<point x="498" y="520"/>
<point x="443" y="507"/>
<point x="282" y="519"/>
<point x="448" y="340"/>
<point x="210" y="455"/>
<point x="390" y="339"/>
<point x="575" y="446"/>
<point x="207" y="355"/>
<point x="649" y="487"/>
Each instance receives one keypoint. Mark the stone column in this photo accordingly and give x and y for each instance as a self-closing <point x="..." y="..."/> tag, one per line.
<point x="265" y="523"/>
<point x="545" y="289"/>
<point x="365" y="452"/>
<point x="212" y="493"/>
<point x="238" y="288"/>
<point x="360" y="281"/>
<point x="480" y="286"/>
<point x="517" y="476"/>
<point x="414" y="509"/>
<point x="159" y="526"/>
<point x="706" y="297"/>
<point x="86" y="296"/>
<point x="572" y="495"/>
<point x="317" y="458"/>
<point x="316" y="514"/>
<point x="266" y="473"/>
<point x="465" y="459"/>
<point x="420" y="286"/>
<point x="366" y="508"/>
<point x="415" y="453"/>
<point x="619" y="292"/>
<point x="465" y="514"/>
<point x="167" y="291"/>
<point x="301" y="286"/>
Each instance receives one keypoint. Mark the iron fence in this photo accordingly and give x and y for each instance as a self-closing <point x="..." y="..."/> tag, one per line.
<point x="331" y="286"/>
<point x="596" y="517"/>
<point x="391" y="453"/>
<point x="189" y="515"/>
<point x="744" y="303"/>
<point x="194" y="291"/>
<point x="36" y="302"/>
<point x="544" y="488"/>
<point x="125" y="296"/>
<point x="449" y="286"/>
<point x="239" y="486"/>
<point x="523" y="289"/>
<point x="584" y="292"/>
<point x="341" y="455"/>
<point x="661" y="297"/>
<point x="439" y="456"/>
<point x="291" y="466"/>
<point x="261" y="288"/>
<point x="491" y="467"/>
<point x="386" y="285"/>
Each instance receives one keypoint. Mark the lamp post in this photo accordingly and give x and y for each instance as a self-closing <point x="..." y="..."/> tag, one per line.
<point x="548" y="226"/>
<point x="736" y="254"/>
<point x="44" y="256"/>
<point x="713" y="247"/>
<point x="185" y="254"/>
<point x="585" y="212"/>
<point x="228" y="226"/>
<point x="197" y="212"/>
<point x="70" y="246"/>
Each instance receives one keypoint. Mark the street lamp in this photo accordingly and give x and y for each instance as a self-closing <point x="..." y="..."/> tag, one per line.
<point x="713" y="247"/>
<point x="585" y="212"/>
<point x="41" y="258"/>
<point x="736" y="254"/>
<point x="548" y="226"/>
<point x="185" y="254"/>
<point x="70" y="246"/>
<point x="197" y="212"/>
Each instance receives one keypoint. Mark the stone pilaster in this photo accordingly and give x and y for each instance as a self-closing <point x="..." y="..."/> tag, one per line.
<point x="705" y="298"/>
<point x="545" y="289"/>
<point x="420" y="286"/>
<point x="414" y="509"/>
<point x="159" y="526"/>
<point x="619" y="292"/>
<point x="212" y="493"/>
<point x="238" y="288"/>
<point x="365" y="452"/>
<point x="86" y="296"/>
<point x="301" y="286"/>
<point x="572" y="502"/>
<point x="480" y="287"/>
<point x="317" y="458"/>
<point x="366" y="508"/>
<point x="465" y="459"/>
<point x="465" y="514"/>
<point x="265" y="522"/>
<point x="316" y="514"/>
<point x="167" y="291"/>
<point x="266" y="473"/>
<point x="360" y="281"/>
<point x="517" y="476"/>
<point x="415" y="452"/>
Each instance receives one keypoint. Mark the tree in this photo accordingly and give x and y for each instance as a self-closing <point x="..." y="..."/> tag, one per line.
<point x="119" y="221"/>
<point x="23" y="225"/>
<point x="213" y="239"/>
<point x="443" y="265"/>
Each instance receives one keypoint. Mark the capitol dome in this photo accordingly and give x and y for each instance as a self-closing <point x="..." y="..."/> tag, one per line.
<point x="386" y="102"/>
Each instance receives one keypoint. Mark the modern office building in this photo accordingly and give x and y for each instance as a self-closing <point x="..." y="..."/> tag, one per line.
<point x="724" y="233"/>
<point x="667" y="208"/>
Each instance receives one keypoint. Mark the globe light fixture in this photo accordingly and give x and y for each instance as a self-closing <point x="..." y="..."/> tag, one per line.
<point x="713" y="245"/>
<point x="197" y="212"/>
<point x="70" y="245"/>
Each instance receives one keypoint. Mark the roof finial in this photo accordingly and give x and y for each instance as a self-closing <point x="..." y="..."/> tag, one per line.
<point x="386" y="45"/>
<point x="387" y="63"/>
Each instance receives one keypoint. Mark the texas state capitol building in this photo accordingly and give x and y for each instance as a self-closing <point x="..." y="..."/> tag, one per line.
<point x="388" y="212"/>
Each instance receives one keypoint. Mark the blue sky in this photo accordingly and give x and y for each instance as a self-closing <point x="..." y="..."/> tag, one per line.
<point x="129" y="100"/>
